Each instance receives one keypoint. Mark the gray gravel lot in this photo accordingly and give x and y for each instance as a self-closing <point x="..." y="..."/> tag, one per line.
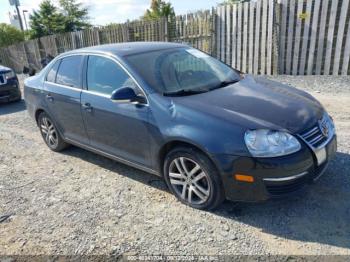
<point x="77" y="202"/>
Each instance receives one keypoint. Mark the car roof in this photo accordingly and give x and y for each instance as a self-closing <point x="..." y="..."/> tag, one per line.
<point x="129" y="48"/>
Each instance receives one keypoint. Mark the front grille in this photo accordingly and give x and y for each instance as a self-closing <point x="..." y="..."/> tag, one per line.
<point x="2" y="80"/>
<point x="314" y="136"/>
<point x="286" y="187"/>
<point x="320" y="134"/>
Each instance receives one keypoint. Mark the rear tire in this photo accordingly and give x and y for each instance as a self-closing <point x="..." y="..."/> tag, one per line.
<point x="50" y="133"/>
<point x="193" y="179"/>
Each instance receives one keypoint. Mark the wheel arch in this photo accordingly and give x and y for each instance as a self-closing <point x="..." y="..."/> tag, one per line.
<point x="38" y="111"/>
<point x="170" y="145"/>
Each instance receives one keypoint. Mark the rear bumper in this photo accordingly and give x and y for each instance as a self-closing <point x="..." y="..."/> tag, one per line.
<point x="10" y="91"/>
<point x="273" y="177"/>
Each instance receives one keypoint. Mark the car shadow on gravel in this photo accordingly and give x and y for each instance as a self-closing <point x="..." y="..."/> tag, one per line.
<point x="12" y="107"/>
<point x="320" y="214"/>
<point x="116" y="167"/>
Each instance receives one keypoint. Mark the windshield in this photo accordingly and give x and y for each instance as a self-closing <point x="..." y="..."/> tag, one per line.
<point x="182" y="71"/>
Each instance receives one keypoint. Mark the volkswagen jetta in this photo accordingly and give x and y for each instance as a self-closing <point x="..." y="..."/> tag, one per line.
<point x="212" y="132"/>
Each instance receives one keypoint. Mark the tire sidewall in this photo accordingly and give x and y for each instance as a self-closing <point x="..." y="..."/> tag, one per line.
<point x="208" y="168"/>
<point x="60" y="142"/>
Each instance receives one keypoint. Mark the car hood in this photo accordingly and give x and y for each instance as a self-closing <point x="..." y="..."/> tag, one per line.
<point x="4" y="68"/>
<point x="256" y="102"/>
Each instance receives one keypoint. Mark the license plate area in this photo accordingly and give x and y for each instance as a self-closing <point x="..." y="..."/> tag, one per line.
<point x="321" y="155"/>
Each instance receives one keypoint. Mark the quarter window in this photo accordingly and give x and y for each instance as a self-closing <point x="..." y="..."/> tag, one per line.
<point x="69" y="71"/>
<point x="51" y="76"/>
<point x="104" y="76"/>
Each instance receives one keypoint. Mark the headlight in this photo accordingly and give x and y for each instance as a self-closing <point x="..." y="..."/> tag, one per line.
<point x="10" y="74"/>
<point x="268" y="143"/>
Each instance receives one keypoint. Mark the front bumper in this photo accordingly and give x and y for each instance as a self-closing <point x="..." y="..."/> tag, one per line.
<point x="10" y="91"/>
<point x="273" y="177"/>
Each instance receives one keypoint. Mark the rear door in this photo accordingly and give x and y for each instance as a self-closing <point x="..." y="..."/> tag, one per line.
<point x="63" y="88"/>
<point x="120" y="129"/>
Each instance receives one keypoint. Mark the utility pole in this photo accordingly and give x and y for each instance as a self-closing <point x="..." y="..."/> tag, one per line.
<point x="16" y="4"/>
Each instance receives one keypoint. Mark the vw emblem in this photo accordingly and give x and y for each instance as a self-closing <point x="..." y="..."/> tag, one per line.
<point x="324" y="127"/>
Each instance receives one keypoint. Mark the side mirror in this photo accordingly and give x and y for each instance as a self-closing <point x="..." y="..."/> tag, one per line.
<point x="127" y="95"/>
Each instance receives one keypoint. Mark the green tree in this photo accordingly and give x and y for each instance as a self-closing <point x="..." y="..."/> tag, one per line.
<point x="10" y="35"/>
<point x="159" y="9"/>
<point x="76" y="16"/>
<point x="46" y="21"/>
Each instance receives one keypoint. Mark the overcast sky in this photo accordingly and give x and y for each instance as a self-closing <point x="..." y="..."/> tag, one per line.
<point x="106" y="11"/>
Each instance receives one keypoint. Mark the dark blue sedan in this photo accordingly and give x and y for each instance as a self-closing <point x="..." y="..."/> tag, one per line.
<point x="210" y="131"/>
<point x="9" y="87"/>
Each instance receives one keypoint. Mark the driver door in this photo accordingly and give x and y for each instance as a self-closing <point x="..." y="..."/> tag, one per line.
<point x="120" y="129"/>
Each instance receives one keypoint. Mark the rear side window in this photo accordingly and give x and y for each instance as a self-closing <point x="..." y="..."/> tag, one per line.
<point x="104" y="76"/>
<point x="69" y="71"/>
<point x="51" y="76"/>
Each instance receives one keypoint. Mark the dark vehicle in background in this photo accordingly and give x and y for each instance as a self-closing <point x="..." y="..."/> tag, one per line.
<point x="9" y="86"/>
<point x="174" y="111"/>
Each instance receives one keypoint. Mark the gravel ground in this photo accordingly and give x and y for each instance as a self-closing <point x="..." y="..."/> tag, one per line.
<point x="77" y="202"/>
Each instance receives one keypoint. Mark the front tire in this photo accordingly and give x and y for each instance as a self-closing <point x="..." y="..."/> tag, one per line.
<point x="50" y="134"/>
<point x="18" y="99"/>
<point x="193" y="178"/>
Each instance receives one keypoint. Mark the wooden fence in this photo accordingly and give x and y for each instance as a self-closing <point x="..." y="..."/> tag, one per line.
<point x="314" y="37"/>
<point x="245" y="37"/>
<point x="30" y="53"/>
<point x="196" y="29"/>
<point x="298" y="37"/>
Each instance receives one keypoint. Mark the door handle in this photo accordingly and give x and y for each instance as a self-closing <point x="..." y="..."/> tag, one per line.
<point x="49" y="97"/>
<point x="87" y="107"/>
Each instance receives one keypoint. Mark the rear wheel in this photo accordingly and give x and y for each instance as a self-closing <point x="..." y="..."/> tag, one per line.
<point x="193" y="178"/>
<point x="50" y="134"/>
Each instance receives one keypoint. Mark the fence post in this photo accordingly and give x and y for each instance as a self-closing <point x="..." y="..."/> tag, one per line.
<point x="72" y="35"/>
<point x="212" y="30"/>
<point x="25" y="58"/>
<point x="125" y="32"/>
<point x="166" y="32"/>
<point x="37" y="52"/>
<point x="275" y="38"/>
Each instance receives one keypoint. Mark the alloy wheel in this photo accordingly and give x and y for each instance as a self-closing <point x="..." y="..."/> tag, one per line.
<point x="49" y="132"/>
<point x="189" y="180"/>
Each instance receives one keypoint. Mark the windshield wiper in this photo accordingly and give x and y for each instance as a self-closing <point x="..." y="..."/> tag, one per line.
<point x="184" y="92"/>
<point x="225" y="83"/>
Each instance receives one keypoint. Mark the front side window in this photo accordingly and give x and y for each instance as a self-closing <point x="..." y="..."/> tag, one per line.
<point x="69" y="71"/>
<point x="51" y="76"/>
<point x="182" y="70"/>
<point x="104" y="76"/>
